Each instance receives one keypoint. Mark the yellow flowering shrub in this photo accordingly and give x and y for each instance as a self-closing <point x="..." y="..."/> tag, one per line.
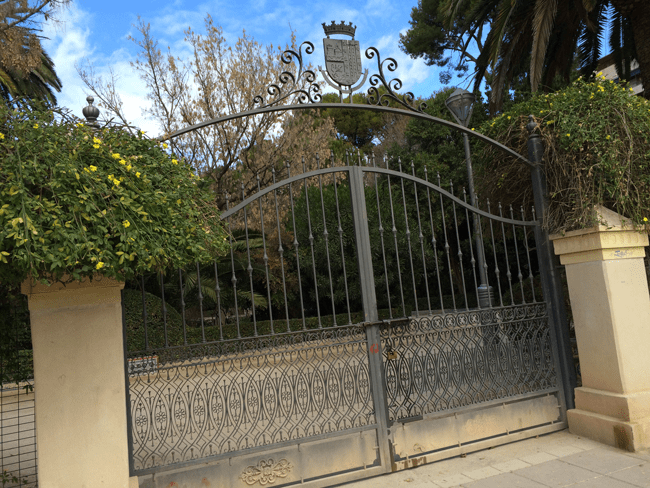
<point x="69" y="207"/>
<point x="597" y="151"/>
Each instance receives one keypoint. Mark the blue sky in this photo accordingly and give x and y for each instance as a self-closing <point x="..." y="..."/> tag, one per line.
<point x="98" y="31"/>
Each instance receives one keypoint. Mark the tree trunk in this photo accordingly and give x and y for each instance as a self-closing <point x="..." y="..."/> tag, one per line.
<point x="638" y="12"/>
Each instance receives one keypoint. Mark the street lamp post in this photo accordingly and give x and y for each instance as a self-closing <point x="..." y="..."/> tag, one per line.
<point x="460" y="104"/>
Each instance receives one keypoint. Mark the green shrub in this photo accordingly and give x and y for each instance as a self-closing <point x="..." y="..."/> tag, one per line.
<point x="75" y="202"/>
<point x="597" y="152"/>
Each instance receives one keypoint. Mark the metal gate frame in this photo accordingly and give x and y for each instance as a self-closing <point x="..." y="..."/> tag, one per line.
<point x="389" y="460"/>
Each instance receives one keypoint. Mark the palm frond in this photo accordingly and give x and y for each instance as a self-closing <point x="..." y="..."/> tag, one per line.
<point x="545" y="12"/>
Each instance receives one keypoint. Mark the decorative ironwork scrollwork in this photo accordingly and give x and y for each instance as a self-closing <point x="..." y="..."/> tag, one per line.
<point x="391" y="86"/>
<point x="266" y="472"/>
<point x="289" y="83"/>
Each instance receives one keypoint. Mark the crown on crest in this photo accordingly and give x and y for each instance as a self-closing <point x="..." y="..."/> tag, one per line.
<point x="342" y="28"/>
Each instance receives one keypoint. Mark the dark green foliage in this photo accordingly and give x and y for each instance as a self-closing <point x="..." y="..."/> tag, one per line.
<point x="15" y="336"/>
<point x="135" y="330"/>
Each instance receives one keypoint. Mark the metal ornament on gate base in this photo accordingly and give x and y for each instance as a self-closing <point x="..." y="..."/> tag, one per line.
<point x="342" y="59"/>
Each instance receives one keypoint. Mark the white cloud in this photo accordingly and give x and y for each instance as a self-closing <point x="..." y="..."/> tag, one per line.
<point x="70" y="44"/>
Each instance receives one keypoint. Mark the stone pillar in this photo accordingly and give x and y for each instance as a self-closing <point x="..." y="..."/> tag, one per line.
<point x="611" y="312"/>
<point x="80" y="388"/>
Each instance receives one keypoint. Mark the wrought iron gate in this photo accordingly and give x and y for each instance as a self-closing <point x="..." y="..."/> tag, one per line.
<point x="343" y="337"/>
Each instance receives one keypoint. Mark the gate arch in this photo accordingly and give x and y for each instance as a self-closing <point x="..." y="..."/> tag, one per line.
<point x="320" y="397"/>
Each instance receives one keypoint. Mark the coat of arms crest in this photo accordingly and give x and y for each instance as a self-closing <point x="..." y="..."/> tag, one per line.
<point x="342" y="57"/>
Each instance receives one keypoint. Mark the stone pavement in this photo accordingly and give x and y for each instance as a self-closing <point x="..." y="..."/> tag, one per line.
<point x="557" y="459"/>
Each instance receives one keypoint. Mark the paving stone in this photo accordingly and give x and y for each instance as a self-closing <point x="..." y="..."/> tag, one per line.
<point x="561" y="451"/>
<point x="538" y="458"/>
<point x="601" y="461"/>
<point x="636" y="475"/>
<point x="451" y="480"/>
<point x="556" y="473"/>
<point x="504" y="480"/>
<point x="512" y="465"/>
<point x="603" y="482"/>
<point x="479" y="474"/>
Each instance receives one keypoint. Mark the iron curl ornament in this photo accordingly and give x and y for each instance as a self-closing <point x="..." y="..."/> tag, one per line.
<point x="289" y="83"/>
<point x="391" y="86"/>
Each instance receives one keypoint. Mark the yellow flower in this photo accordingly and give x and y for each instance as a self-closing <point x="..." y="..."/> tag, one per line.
<point x="645" y="219"/>
<point x="631" y="89"/>
<point x="2" y="136"/>
<point x="178" y="201"/>
<point x="137" y="174"/>
<point x="568" y="135"/>
<point x="508" y="117"/>
<point x="116" y="156"/>
<point x="164" y="146"/>
<point x="96" y="146"/>
<point x="600" y="73"/>
<point x="128" y="168"/>
<point x="608" y="137"/>
<point x="174" y="161"/>
<point x="126" y="223"/>
<point x="35" y="126"/>
<point x="97" y="141"/>
<point x="122" y="162"/>
<point x="99" y="265"/>
<point x="472" y="128"/>
<point x="93" y="168"/>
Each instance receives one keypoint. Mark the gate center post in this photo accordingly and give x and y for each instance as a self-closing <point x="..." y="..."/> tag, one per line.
<point x="369" y="299"/>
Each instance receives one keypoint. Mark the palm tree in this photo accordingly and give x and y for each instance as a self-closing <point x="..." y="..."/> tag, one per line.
<point x="36" y="84"/>
<point x="542" y="37"/>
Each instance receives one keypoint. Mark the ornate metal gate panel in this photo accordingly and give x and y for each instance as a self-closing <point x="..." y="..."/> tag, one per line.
<point x="343" y="337"/>
<point x="350" y="331"/>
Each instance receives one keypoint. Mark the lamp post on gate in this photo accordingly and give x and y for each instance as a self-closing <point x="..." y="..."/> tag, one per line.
<point x="460" y="104"/>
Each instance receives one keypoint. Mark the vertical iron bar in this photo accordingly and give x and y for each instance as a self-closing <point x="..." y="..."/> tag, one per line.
<point x="295" y="246"/>
<point x="311" y="244"/>
<point x="266" y="256"/>
<point x="381" y="238"/>
<point x="494" y="254"/>
<point x="530" y="268"/>
<point x="144" y="317"/>
<point x="198" y="284"/>
<point x="180" y="278"/>
<point x="217" y="291"/>
<point x="408" y="240"/>
<point x="164" y="305"/>
<point x="471" y="250"/>
<point x="394" y="230"/>
<point x="340" y="231"/>
<point x="281" y="252"/>
<point x="233" y="279"/>
<point x="421" y="236"/>
<point x="460" y="252"/>
<point x="444" y="228"/>
<point x="433" y="242"/>
<point x="326" y="238"/>
<point x="519" y="273"/>
<point x="366" y="275"/>
<point x="487" y="298"/>
<point x="249" y="268"/>
<point x="505" y="252"/>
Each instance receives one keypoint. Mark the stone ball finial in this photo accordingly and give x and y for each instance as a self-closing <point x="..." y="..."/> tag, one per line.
<point x="90" y="112"/>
